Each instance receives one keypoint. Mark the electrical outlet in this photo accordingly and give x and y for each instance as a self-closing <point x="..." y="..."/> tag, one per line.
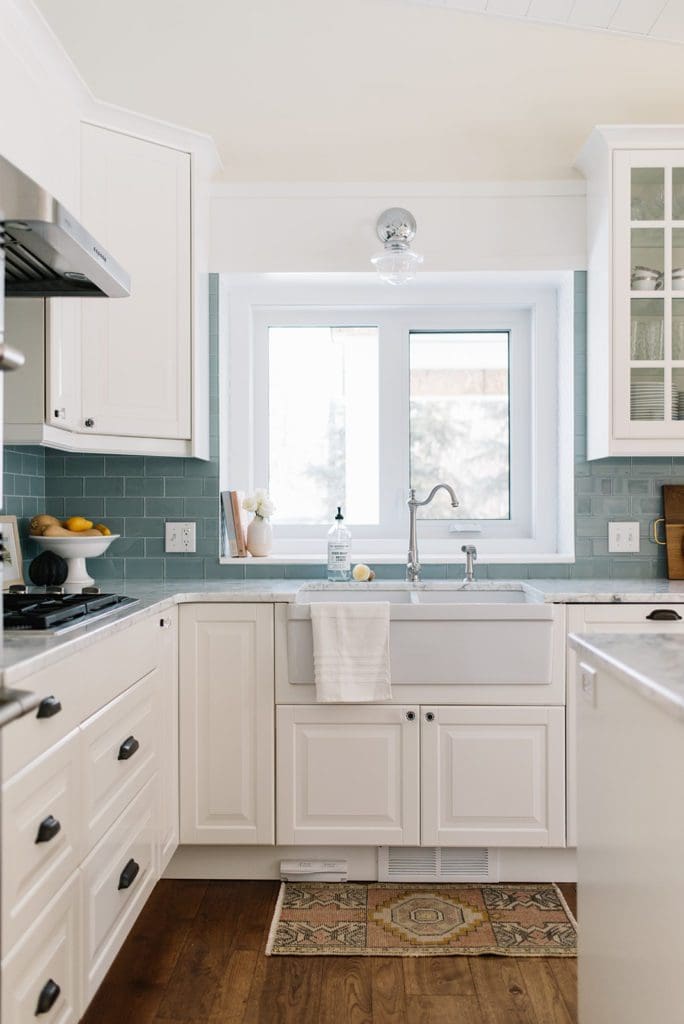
<point x="181" y="537"/>
<point x="623" y="537"/>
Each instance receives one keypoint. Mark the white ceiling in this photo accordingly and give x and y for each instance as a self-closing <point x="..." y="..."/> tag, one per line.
<point x="370" y="90"/>
<point x="656" y="19"/>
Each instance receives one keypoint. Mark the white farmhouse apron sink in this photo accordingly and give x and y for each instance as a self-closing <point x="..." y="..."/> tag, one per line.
<point x="495" y="643"/>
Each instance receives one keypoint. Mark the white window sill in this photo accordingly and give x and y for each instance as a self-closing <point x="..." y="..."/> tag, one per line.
<point x="384" y="559"/>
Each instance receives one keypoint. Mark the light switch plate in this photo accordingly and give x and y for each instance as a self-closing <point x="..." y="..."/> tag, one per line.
<point x="180" y="537"/>
<point x="623" y="537"/>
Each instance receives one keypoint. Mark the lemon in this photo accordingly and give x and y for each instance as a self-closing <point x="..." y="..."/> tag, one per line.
<point x="361" y="573"/>
<point x="104" y="530"/>
<point x="77" y="524"/>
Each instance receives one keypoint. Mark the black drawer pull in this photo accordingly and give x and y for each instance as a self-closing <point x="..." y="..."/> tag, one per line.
<point x="664" y="615"/>
<point x="48" y="707"/>
<point x="128" y="748"/>
<point x="48" y="829"/>
<point x="49" y="994"/>
<point x="129" y="874"/>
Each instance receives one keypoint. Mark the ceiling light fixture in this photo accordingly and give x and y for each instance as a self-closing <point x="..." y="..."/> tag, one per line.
<point x="397" y="263"/>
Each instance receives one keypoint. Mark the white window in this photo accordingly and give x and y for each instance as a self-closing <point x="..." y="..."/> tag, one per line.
<point x="337" y="397"/>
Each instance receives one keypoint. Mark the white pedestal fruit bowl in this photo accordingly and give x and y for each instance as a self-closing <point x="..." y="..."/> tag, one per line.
<point x="75" y="550"/>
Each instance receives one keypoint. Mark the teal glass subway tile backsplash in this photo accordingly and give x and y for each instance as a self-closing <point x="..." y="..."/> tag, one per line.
<point x="134" y="495"/>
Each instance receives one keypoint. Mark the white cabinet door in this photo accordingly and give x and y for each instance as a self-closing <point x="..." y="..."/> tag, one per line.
<point x="348" y="775"/>
<point x="493" y="776"/>
<point x="136" y="352"/>
<point x="63" y="363"/>
<point x="226" y="723"/>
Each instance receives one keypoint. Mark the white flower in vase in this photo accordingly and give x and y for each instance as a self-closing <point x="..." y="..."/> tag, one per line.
<point x="259" y="532"/>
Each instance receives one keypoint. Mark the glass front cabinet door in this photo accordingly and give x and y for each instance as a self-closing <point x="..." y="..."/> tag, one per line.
<point x="635" y="293"/>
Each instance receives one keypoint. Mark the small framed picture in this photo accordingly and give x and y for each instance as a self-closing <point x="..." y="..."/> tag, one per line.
<point x="12" y="567"/>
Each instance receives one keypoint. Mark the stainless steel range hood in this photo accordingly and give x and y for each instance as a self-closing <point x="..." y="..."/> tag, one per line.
<point x="47" y="252"/>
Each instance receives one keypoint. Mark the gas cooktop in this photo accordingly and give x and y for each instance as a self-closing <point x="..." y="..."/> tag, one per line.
<point x="53" y="612"/>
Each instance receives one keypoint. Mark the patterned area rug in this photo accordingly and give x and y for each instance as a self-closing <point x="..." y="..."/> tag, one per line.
<point x="391" y="919"/>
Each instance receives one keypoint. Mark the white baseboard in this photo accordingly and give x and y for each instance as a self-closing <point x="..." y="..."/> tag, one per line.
<point x="259" y="862"/>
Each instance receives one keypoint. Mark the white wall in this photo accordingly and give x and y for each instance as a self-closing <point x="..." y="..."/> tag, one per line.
<point x="369" y="90"/>
<point x="42" y="100"/>
<point x="325" y="229"/>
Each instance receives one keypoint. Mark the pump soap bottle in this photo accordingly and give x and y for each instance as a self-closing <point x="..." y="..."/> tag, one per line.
<point x="339" y="550"/>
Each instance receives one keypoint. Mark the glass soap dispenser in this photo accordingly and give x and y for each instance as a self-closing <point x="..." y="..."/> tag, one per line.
<point x="339" y="550"/>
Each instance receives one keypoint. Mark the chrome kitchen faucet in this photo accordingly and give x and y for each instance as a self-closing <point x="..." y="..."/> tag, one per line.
<point x="412" y="563"/>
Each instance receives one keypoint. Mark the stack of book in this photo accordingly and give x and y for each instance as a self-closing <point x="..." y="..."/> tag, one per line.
<point x="234" y="524"/>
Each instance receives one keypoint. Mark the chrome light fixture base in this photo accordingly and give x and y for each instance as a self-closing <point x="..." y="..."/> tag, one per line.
<point x="397" y="263"/>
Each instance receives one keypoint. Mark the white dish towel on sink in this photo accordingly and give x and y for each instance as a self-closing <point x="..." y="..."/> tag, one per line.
<point x="351" y="651"/>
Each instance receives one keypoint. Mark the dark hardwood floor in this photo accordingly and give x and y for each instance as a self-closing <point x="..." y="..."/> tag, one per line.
<point x="196" y="956"/>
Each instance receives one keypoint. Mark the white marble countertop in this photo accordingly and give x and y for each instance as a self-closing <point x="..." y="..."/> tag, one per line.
<point x="651" y="663"/>
<point x="23" y="654"/>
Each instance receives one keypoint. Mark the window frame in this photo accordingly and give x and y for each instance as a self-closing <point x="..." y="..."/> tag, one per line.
<point x="528" y="308"/>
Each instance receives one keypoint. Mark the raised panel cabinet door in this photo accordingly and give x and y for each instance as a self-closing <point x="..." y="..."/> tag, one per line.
<point x="493" y="776"/>
<point x="226" y="723"/>
<point x="136" y="355"/>
<point x="42" y="976"/>
<point x="348" y="775"/>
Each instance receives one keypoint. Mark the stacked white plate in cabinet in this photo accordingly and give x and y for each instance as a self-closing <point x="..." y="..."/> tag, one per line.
<point x="647" y="400"/>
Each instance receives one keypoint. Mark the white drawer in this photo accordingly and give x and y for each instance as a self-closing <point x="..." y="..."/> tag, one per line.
<point x="33" y="802"/>
<point x="111" y="901"/>
<point x="46" y="966"/>
<point x="651" y="618"/>
<point x="81" y="684"/>
<point x="120" y="751"/>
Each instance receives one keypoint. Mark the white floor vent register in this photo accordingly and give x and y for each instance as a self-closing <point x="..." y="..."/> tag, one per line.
<point x="313" y="870"/>
<point x="437" y="864"/>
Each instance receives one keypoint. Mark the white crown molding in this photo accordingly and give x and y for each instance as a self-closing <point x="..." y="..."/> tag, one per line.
<point x="383" y="190"/>
<point x="31" y="39"/>
<point x="199" y="144"/>
<point x="30" y="36"/>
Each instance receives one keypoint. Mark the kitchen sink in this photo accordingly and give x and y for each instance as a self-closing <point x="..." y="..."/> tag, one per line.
<point x="416" y="594"/>
<point x="492" y="640"/>
<point x="357" y="593"/>
<point x="478" y="595"/>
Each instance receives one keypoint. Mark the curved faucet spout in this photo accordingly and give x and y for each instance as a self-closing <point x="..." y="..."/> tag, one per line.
<point x="438" y="487"/>
<point x="412" y="563"/>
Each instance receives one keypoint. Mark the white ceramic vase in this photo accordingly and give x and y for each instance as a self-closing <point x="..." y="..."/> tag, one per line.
<point x="259" y="537"/>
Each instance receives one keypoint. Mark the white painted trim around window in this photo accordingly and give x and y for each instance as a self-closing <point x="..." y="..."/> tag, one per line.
<point x="541" y="301"/>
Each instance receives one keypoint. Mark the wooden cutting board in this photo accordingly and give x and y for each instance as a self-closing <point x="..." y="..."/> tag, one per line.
<point x="673" y="510"/>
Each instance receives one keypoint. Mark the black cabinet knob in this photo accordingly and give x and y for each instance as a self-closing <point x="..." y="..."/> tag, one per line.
<point x="90" y="422"/>
<point x="48" y="829"/>
<point x="48" y="707"/>
<point x="664" y="615"/>
<point x="429" y="716"/>
<point x="49" y="994"/>
<point x="128" y="748"/>
<point x="129" y="874"/>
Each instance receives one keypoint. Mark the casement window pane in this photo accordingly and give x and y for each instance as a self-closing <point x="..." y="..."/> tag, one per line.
<point x="460" y="421"/>
<point x="323" y="423"/>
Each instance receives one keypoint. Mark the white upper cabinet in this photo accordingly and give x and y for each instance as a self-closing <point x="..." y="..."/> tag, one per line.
<point x="126" y="375"/>
<point x="136" y="352"/>
<point x="635" y="294"/>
